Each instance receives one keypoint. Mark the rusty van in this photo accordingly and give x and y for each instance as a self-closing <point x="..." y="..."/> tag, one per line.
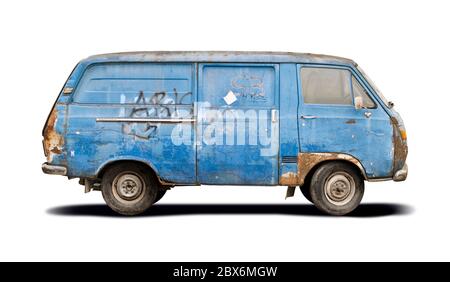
<point x="134" y="125"/>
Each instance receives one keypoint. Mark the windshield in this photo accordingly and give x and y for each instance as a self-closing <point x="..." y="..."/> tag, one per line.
<point x="374" y="87"/>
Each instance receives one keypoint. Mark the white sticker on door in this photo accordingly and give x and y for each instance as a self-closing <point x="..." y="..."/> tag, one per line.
<point x="230" y="98"/>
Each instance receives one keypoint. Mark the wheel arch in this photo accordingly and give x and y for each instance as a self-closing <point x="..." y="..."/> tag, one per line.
<point x="151" y="168"/>
<point x="310" y="162"/>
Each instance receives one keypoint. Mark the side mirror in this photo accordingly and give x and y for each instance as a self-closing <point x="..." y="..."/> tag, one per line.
<point x="358" y="102"/>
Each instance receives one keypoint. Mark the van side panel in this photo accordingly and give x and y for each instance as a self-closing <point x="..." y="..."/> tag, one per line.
<point x="103" y="123"/>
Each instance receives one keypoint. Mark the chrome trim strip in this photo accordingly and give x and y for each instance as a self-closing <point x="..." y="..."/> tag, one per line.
<point x="155" y="120"/>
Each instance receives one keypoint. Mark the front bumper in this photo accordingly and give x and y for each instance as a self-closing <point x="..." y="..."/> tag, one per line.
<point x="54" y="169"/>
<point x="400" y="175"/>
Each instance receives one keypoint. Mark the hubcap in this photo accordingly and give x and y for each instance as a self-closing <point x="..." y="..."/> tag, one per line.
<point x="128" y="186"/>
<point x="340" y="188"/>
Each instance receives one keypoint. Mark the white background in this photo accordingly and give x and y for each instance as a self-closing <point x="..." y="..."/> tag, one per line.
<point x="402" y="45"/>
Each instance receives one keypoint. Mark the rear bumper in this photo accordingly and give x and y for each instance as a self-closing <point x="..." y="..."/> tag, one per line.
<point x="54" y="169"/>
<point x="400" y="175"/>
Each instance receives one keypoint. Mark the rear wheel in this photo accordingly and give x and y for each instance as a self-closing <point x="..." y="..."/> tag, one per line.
<point x="129" y="188"/>
<point x="336" y="188"/>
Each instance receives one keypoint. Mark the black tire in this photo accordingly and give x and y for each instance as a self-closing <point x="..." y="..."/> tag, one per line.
<point x="306" y="192"/>
<point x="160" y="194"/>
<point x="336" y="188"/>
<point x="129" y="188"/>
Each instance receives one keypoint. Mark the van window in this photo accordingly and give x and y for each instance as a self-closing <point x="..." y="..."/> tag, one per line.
<point x="359" y="91"/>
<point x="131" y="83"/>
<point x="326" y="86"/>
<point x="250" y="85"/>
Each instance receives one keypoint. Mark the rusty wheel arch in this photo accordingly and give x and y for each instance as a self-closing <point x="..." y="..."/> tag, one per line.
<point x="311" y="172"/>
<point x="309" y="162"/>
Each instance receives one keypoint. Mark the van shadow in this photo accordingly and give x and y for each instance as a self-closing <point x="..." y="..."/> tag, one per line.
<point x="364" y="210"/>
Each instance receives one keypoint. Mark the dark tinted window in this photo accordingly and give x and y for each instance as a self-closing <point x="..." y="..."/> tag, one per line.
<point x="326" y="86"/>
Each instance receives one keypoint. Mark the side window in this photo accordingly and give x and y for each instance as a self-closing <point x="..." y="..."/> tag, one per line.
<point x="326" y="86"/>
<point x="246" y="85"/>
<point x="359" y="91"/>
<point x="136" y="83"/>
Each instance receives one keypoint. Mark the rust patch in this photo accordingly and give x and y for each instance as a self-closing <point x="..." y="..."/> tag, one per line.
<point x="400" y="147"/>
<point x="306" y="161"/>
<point x="56" y="150"/>
<point x="53" y="142"/>
<point x="350" y="121"/>
<point x="289" y="179"/>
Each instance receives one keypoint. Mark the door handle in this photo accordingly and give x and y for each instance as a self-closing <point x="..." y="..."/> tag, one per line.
<point x="308" y="117"/>
<point x="368" y="114"/>
<point x="274" y="116"/>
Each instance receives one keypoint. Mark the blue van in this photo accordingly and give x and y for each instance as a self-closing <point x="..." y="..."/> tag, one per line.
<point x="134" y="125"/>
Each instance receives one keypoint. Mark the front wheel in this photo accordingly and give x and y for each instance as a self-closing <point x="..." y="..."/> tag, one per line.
<point x="128" y="188"/>
<point x="336" y="188"/>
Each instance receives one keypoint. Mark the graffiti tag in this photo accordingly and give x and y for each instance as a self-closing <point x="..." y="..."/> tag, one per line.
<point x="158" y="105"/>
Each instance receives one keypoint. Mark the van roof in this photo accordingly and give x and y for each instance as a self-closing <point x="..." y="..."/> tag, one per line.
<point x="218" y="56"/>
